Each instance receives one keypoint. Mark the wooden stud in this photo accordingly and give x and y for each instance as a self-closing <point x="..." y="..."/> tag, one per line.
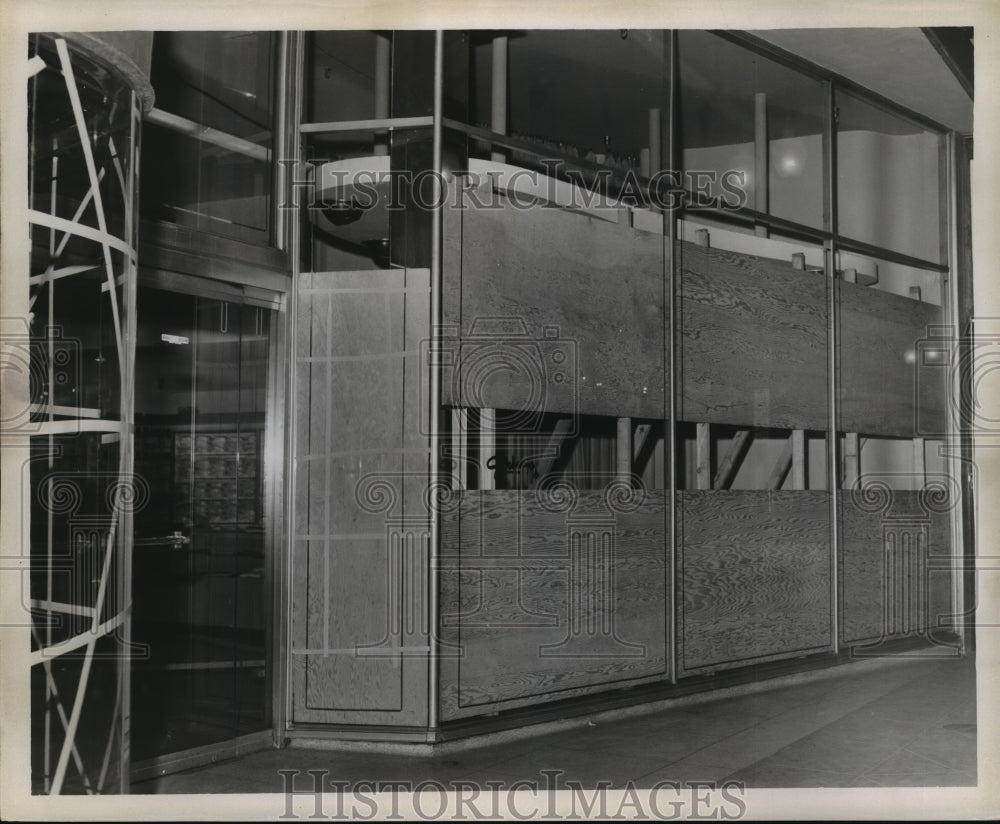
<point x="701" y="237"/>
<point x="781" y="467"/>
<point x="919" y="466"/>
<point x="498" y="111"/>
<point x="553" y="448"/>
<point x="623" y="450"/>
<point x="851" y="469"/>
<point x="760" y="155"/>
<point x="642" y="442"/>
<point x="851" y="460"/>
<point x="915" y="293"/>
<point x="730" y="464"/>
<point x="487" y="447"/>
<point x="703" y="459"/>
<point x="798" y="459"/>
<point x="655" y="141"/>
<point x="459" y="448"/>
<point x="799" y="260"/>
<point x="383" y="53"/>
<point x="659" y="462"/>
<point x="644" y="163"/>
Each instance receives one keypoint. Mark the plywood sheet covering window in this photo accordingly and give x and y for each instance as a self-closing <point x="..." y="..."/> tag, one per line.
<point x="578" y="302"/>
<point x="361" y="550"/>
<point x="531" y="607"/>
<point x="752" y="341"/>
<point x="754" y="576"/>
<point x="886" y="388"/>
<point x="895" y="567"/>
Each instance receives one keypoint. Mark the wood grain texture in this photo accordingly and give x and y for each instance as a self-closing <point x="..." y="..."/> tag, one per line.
<point x="869" y="597"/>
<point x="879" y="358"/>
<point x="357" y="350"/>
<point x="596" y="286"/>
<point x="511" y="586"/>
<point x="754" y="576"/>
<point x="751" y="347"/>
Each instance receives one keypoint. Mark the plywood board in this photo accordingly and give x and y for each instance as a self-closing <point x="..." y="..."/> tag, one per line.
<point x="556" y="310"/>
<point x="880" y="359"/>
<point x="752" y="344"/>
<point x="531" y="622"/>
<point x="872" y="582"/>
<point x="754" y="576"/>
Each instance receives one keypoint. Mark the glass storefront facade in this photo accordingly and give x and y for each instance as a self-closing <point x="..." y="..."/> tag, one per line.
<point x="321" y="441"/>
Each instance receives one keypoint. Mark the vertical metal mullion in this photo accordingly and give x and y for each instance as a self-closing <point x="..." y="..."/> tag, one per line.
<point x="435" y="387"/>
<point x="131" y="292"/>
<point x="952" y="318"/>
<point x="279" y="124"/>
<point x="283" y="467"/>
<point x="833" y="359"/>
<point x="670" y="469"/>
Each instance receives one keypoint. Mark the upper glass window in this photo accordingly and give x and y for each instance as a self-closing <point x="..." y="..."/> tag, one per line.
<point x="207" y="145"/>
<point x="728" y="97"/>
<point x="888" y="186"/>
<point x="587" y="94"/>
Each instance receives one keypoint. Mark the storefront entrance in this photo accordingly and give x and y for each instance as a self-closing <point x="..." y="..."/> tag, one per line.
<point x="201" y="569"/>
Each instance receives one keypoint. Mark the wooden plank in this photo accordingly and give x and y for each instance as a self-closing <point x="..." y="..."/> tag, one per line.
<point x="868" y="598"/>
<point x="518" y="302"/>
<point x="774" y="318"/>
<point x="754" y="576"/>
<point x="510" y="582"/>
<point x="623" y="449"/>
<point x="879" y="335"/>
<point x="798" y="441"/>
<point x="703" y="456"/>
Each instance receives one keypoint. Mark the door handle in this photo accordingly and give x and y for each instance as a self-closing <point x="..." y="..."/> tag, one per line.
<point x="175" y="541"/>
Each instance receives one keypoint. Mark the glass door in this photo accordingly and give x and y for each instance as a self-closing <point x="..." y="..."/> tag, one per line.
<point x="201" y="583"/>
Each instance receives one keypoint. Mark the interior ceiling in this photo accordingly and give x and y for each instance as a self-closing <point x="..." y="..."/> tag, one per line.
<point x="900" y="64"/>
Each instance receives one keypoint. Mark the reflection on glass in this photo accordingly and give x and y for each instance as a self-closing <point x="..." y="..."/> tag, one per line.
<point x="887" y="177"/>
<point x="586" y="94"/>
<point x="728" y="95"/>
<point x="341" y="76"/>
<point x="199" y="570"/>
<point x="221" y="182"/>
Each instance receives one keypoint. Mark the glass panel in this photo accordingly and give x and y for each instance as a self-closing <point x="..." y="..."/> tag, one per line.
<point x="888" y="180"/>
<point x="581" y="93"/>
<point x="725" y="90"/>
<point x="898" y="496"/>
<point x="200" y="581"/>
<point x="223" y="81"/>
<point x="341" y="76"/>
